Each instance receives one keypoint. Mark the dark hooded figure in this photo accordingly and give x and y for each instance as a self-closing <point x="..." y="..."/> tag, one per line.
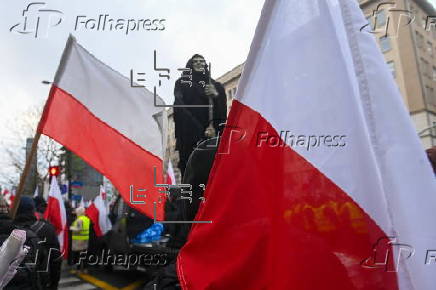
<point x="196" y="87"/>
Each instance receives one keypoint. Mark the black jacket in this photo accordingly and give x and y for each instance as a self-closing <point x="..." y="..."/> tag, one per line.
<point x="46" y="232"/>
<point x="6" y="225"/>
<point x="191" y="123"/>
<point x="197" y="174"/>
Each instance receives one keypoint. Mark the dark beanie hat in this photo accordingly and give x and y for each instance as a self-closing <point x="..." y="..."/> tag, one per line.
<point x="27" y="205"/>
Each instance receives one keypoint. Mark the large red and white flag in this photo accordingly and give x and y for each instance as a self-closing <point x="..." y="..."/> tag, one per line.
<point x="56" y="214"/>
<point x="116" y="128"/>
<point x="329" y="188"/>
<point x="98" y="214"/>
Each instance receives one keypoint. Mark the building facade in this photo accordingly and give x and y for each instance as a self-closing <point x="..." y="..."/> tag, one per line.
<point x="406" y="33"/>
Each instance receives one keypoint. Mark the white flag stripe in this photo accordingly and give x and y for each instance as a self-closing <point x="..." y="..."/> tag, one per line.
<point x="87" y="80"/>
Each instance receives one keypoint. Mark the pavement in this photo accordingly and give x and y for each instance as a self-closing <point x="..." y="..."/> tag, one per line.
<point x="99" y="278"/>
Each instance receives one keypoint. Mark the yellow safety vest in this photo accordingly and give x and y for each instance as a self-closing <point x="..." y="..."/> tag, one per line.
<point x="84" y="233"/>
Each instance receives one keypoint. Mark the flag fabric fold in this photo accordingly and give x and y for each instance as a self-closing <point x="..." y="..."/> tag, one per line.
<point x="330" y="187"/>
<point x="170" y="176"/>
<point x="116" y="128"/>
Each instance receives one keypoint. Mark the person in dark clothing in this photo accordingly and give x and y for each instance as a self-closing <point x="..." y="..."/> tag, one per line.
<point x="431" y="154"/>
<point x="70" y="218"/>
<point x="40" y="206"/>
<point x="193" y="124"/>
<point x="197" y="173"/>
<point x="25" y="218"/>
<point x="6" y="225"/>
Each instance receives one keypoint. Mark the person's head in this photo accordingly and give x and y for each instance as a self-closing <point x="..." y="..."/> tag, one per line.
<point x="80" y="211"/>
<point x="4" y="207"/>
<point x="198" y="64"/>
<point x="26" y="206"/>
<point x="431" y="153"/>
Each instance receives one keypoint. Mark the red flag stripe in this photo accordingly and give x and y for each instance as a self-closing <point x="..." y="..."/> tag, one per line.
<point x="298" y="231"/>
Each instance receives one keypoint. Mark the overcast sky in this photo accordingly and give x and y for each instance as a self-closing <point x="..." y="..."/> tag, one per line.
<point x="220" y="30"/>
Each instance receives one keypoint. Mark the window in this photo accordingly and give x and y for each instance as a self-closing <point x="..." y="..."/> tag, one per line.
<point x="429" y="95"/>
<point x="385" y="43"/>
<point x="423" y="21"/>
<point x="430" y="48"/>
<point x="380" y="18"/>
<point x="434" y="73"/>
<point x="391" y="65"/>
<point x="424" y="67"/>
<point x="419" y="39"/>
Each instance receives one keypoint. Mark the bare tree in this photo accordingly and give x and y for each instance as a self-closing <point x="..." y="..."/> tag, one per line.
<point x="23" y="127"/>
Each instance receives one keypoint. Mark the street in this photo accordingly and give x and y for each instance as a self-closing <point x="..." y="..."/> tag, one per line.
<point x="99" y="278"/>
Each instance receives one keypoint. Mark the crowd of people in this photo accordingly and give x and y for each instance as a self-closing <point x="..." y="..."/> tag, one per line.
<point x="41" y="268"/>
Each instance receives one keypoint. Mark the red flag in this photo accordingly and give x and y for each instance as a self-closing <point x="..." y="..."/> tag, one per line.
<point x="56" y="214"/>
<point x="96" y="113"/>
<point x="92" y="213"/>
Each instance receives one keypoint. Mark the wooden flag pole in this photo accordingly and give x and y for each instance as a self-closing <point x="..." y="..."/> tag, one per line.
<point x="24" y="175"/>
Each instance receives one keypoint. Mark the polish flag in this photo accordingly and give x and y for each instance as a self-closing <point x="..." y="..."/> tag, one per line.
<point x="10" y="197"/>
<point x="171" y="178"/>
<point x="7" y="196"/>
<point x="118" y="129"/>
<point x="354" y="209"/>
<point x="56" y="214"/>
<point x="98" y="214"/>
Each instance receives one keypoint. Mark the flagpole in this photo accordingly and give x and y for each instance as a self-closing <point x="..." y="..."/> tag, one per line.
<point x="24" y="174"/>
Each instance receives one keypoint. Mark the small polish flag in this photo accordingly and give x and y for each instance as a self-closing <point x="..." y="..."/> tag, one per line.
<point x="55" y="213"/>
<point x="98" y="214"/>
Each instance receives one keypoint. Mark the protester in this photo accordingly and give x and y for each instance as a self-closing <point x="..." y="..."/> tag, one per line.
<point x="41" y="236"/>
<point x="6" y="226"/>
<point x="40" y="206"/>
<point x="195" y="87"/>
<point x="431" y="153"/>
<point x="70" y="218"/>
<point x="80" y="237"/>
